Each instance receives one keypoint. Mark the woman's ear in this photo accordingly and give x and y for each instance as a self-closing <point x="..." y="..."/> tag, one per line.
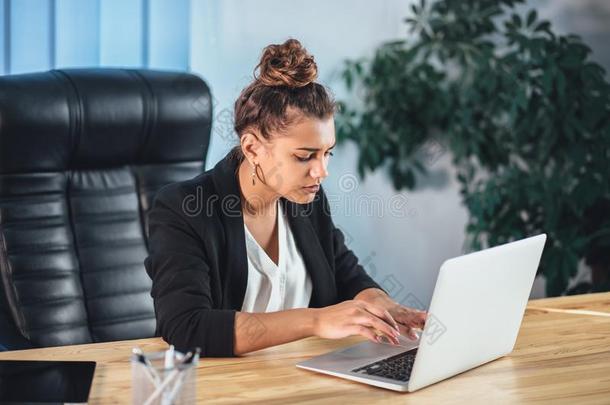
<point x="251" y="147"/>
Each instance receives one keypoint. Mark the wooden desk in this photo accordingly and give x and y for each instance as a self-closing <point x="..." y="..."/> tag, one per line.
<point x="560" y="357"/>
<point x="589" y="304"/>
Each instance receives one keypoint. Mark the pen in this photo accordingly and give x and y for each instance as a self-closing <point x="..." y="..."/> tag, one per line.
<point x="190" y="357"/>
<point x="169" y="365"/>
<point x="148" y="368"/>
<point x="169" y="358"/>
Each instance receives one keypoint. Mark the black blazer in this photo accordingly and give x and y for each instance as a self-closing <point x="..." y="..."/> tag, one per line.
<point x="198" y="262"/>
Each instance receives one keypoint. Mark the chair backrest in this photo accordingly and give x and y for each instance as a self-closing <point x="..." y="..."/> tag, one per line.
<point x="82" y="153"/>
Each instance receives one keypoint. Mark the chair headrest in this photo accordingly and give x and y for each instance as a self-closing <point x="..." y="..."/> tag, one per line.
<point x="101" y="118"/>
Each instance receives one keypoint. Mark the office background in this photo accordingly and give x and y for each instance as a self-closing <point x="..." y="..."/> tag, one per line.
<point x="222" y="41"/>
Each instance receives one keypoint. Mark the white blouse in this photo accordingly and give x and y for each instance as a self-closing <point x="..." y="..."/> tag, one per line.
<point x="274" y="287"/>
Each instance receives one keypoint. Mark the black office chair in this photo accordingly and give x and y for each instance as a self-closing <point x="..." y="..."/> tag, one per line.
<point x="82" y="153"/>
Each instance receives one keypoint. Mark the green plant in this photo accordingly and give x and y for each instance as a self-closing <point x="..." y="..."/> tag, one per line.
<point x="524" y="112"/>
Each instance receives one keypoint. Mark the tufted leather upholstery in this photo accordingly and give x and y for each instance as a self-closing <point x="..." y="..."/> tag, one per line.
<point x="82" y="152"/>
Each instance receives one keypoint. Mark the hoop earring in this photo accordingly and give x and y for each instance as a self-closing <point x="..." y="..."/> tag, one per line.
<point x="261" y="175"/>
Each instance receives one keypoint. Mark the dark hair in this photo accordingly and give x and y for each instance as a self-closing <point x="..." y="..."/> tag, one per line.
<point x="282" y="92"/>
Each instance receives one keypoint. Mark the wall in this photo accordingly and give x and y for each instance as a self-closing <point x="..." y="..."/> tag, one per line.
<point x="404" y="237"/>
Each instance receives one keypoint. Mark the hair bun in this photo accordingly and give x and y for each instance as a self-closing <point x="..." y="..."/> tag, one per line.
<point x="288" y="64"/>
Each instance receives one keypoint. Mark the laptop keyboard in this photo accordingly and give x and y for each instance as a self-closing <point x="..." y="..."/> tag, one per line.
<point x="397" y="367"/>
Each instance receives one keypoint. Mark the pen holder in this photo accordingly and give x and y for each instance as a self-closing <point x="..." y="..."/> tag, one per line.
<point x="154" y="383"/>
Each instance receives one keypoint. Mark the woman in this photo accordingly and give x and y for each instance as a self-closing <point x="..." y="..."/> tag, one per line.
<point x="246" y="256"/>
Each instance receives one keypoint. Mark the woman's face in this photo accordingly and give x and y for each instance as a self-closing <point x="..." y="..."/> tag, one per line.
<point x="298" y="158"/>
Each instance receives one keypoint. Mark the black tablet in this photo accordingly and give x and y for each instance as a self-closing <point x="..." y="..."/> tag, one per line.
<point x="45" y="382"/>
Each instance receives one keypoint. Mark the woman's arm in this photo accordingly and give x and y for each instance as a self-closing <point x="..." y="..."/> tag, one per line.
<point x="255" y="331"/>
<point x="178" y="267"/>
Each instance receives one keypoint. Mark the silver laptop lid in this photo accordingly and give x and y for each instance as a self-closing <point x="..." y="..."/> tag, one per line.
<point x="476" y="309"/>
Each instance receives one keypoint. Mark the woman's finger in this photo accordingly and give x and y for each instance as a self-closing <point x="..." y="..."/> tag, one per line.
<point x="420" y="319"/>
<point x="372" y="321"/>
<point x="364" y="331"/>
<point x="407" y="316"/>
<point x="381" y="313"/>
<point x="407" y="331"/>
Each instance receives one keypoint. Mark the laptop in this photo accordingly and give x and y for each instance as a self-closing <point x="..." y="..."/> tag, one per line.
<point x="474" y="317"/>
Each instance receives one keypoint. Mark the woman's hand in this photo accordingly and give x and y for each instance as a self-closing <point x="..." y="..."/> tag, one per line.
<point x="408" y="319"/>
<point x="355" y="318"/>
